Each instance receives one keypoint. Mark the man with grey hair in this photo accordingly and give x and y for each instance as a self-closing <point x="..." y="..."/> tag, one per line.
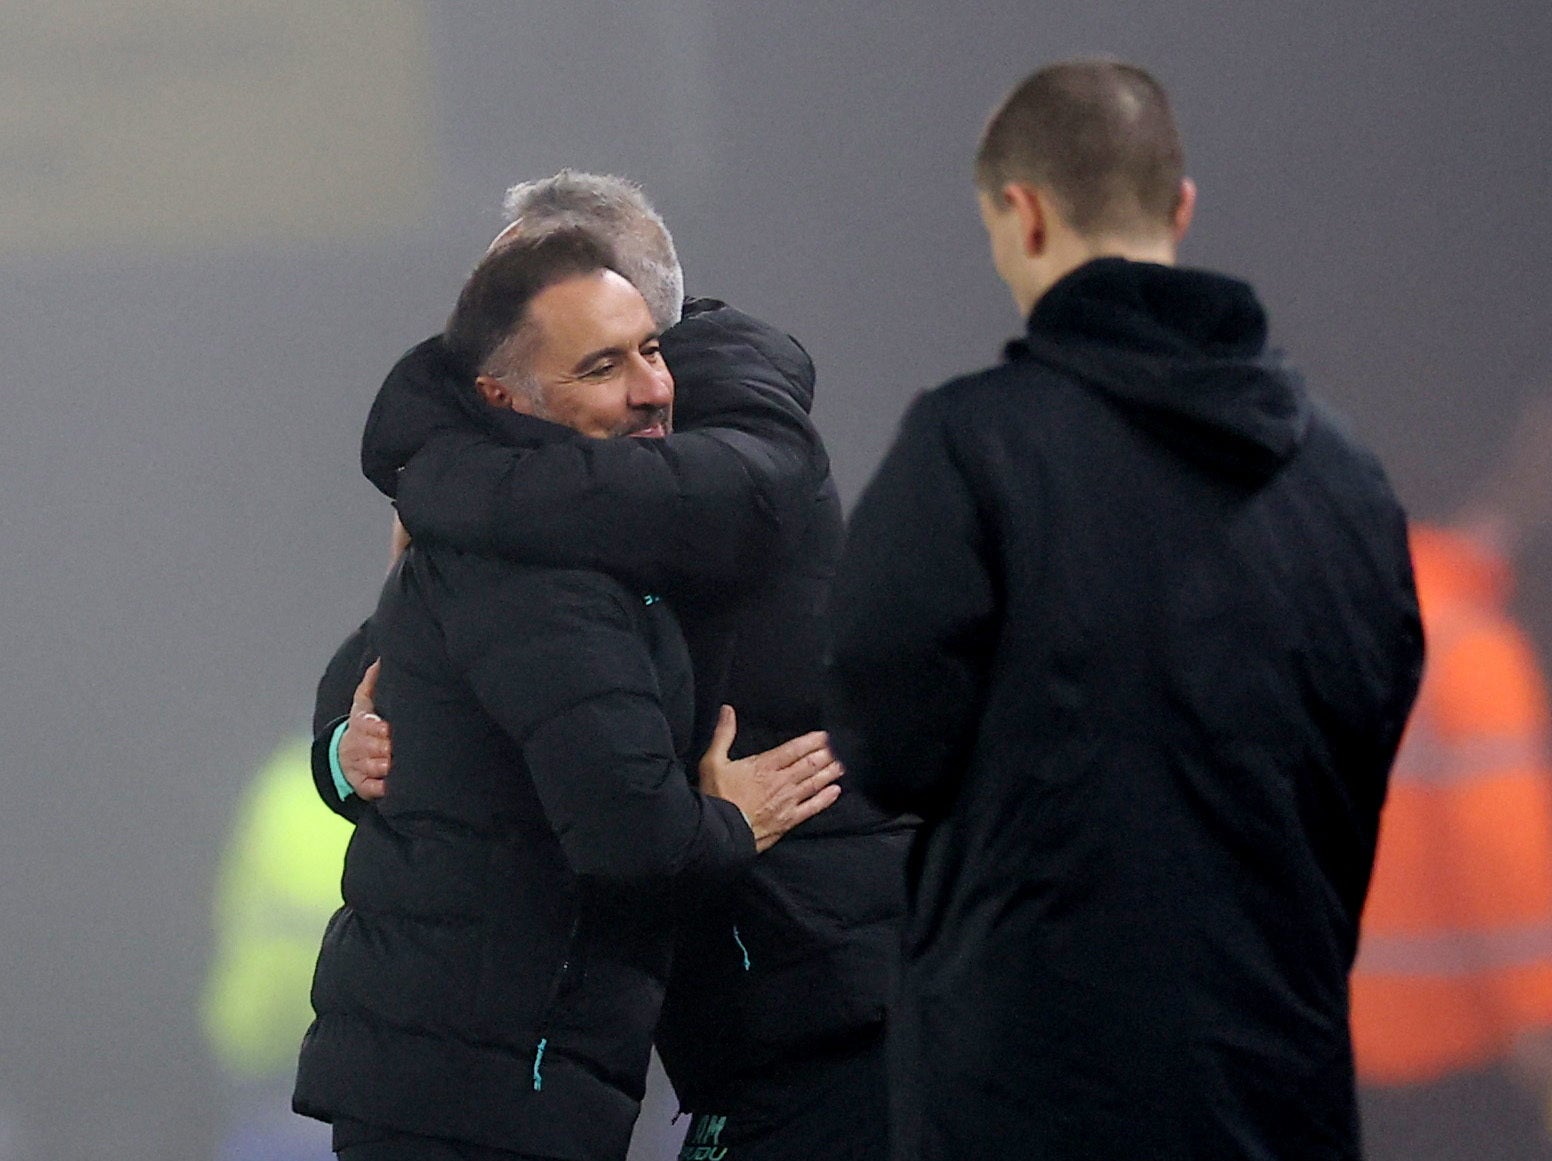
<point x="771" y="1029"/>
<point x="490" y="988"/>
<point x="614" y="208"/>
<point x="1128" y="620"/>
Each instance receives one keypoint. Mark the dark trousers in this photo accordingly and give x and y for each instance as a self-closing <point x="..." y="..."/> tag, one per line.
<point x="1481" y="1115"/>
<point x="832" y="1105"/>
<point x="354" y="1141"/>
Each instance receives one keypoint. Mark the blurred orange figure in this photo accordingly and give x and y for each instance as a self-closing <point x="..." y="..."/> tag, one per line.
<point x="1452" y="990"/>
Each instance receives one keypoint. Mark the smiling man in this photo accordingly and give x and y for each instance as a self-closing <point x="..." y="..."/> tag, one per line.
<point x="490" y="987"/>
<point x="772" y="1024"/>
<point x="598" y="369"/>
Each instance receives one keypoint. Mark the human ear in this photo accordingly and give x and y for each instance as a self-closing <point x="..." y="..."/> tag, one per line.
<point x="1184" y="208"/>
<point x="495" y="392"/>
<point x="1029" y="206"/>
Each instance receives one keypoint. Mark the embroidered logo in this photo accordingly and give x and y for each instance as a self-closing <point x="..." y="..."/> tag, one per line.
<point x="704" y="1141"/>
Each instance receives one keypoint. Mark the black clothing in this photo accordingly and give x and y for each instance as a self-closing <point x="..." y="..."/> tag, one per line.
<point x="331" y="706"/>
<point x="702" y="517"/>
<point x="830" y="1104"/>
<point x="726" y="495"/>
<point x="806" y="948"/>
<point x="1131" y="625"/>
<point x="354" y="1141"/>
<point x="497" y="970"/>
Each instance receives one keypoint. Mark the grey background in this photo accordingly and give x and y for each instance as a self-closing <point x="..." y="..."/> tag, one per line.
<point x="186" y="536"/>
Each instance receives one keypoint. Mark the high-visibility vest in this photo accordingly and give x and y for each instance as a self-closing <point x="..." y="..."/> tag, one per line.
<point x="280" y="882"/>
<point x="1455" y="957"/>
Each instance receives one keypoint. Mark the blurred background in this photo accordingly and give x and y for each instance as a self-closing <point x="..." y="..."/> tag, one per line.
<point x="222" y="220"/>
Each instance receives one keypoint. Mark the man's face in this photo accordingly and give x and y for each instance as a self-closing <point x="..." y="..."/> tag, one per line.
<point x="597" y="361"/>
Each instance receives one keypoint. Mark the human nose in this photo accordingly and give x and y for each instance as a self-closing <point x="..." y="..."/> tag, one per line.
<point x="651" y="385"/>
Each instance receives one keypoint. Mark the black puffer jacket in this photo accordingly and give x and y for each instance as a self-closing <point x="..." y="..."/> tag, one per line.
<point x="805" y="949"/>
<point x="498" y="967"/>
<point x="1131" y="625"/>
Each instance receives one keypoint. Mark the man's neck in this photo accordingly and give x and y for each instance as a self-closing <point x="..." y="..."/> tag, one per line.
<point x="1071" y="251"/>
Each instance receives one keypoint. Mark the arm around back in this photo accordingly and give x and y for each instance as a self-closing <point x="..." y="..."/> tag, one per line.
<point x="331" y="708"/>
<point x="706" y="508"/>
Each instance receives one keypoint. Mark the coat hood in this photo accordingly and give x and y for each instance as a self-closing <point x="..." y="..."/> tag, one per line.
<point x="1182" y="353"/>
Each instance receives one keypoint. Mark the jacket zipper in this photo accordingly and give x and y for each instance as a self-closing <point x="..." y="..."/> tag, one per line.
<point x="554" y="998"/>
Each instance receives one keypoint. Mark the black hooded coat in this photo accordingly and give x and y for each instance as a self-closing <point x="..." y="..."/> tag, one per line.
<point x="735" y="520"/>
<point x="1130" y="623"/>
<point x="498" y="967"/>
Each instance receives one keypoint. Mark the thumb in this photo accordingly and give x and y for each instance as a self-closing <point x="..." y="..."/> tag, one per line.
<point x="722" y="736"/>
<point x="362" y="700"/>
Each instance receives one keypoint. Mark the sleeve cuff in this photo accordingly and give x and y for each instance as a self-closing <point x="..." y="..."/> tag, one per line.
<point x="341" y="786"/>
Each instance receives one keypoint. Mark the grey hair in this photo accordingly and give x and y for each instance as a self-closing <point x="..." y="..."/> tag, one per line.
<point x="616" y="209"/>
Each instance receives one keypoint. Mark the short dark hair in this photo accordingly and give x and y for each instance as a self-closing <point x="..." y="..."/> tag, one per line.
<point x="1099" y="136"/>
<point x="493" y="304"/>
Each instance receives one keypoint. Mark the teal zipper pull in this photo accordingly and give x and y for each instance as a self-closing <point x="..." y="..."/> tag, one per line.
<point x="741" y="946"/>
<point x="538" y="1060"/>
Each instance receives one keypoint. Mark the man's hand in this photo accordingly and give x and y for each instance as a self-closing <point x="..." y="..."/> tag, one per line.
<point x="776" y="789"/>
<point x="364" y="748"/>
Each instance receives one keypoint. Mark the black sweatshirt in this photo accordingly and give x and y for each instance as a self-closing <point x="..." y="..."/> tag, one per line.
<point x="1130" y="623"/>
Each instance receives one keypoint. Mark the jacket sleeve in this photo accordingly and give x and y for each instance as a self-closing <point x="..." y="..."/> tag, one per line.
<point x="331" y="707"/>
<point x="569" y="678"/>
<point x="913" y="624"/>
<point x="696" y="512"/>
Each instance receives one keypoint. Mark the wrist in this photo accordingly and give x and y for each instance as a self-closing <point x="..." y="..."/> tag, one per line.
<point x="342" y="785"/>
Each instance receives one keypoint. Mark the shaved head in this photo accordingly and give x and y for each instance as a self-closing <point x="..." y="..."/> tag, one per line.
<point x="1099" y="136"/>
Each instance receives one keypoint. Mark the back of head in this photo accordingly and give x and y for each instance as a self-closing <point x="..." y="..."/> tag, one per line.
<point x="1099" y="136"/>
<point x="486" y="333"/>
<point x="616" y="210"/>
